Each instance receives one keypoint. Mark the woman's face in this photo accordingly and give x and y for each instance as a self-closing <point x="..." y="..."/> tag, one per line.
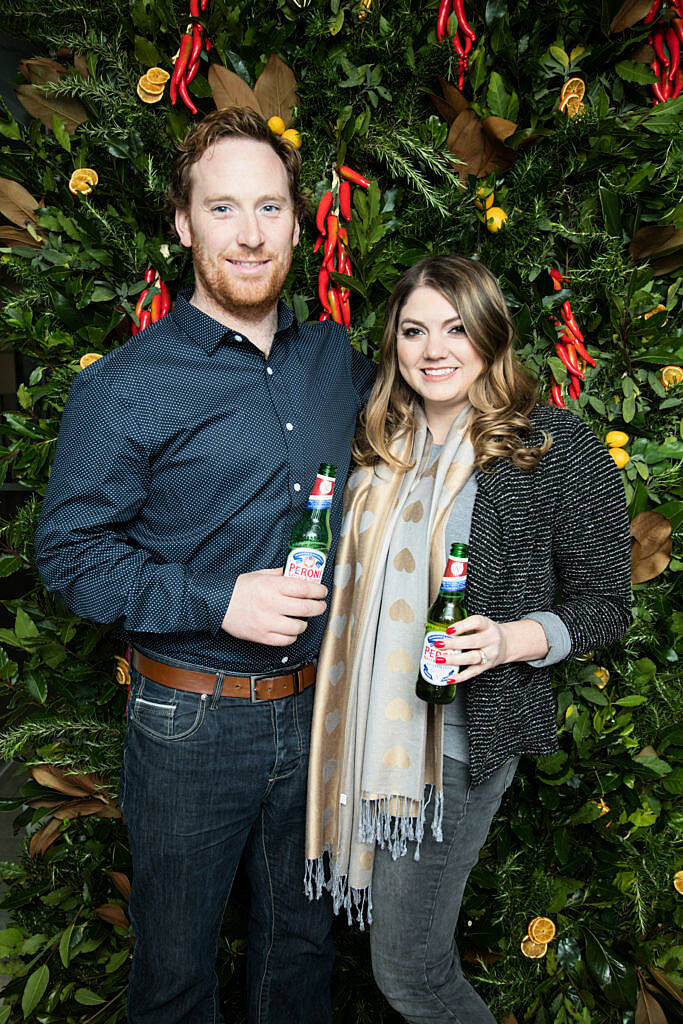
<point x="435" y="356"/>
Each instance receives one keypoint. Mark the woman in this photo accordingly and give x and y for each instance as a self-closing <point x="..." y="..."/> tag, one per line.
<point x="452" y="447"/>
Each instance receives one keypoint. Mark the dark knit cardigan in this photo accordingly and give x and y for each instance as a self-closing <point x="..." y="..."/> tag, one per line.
<point x="554" y="538"/>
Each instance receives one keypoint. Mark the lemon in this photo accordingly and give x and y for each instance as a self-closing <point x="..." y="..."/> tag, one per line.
<point x="533" y="950"/>
<point x="293" y="137"/>
<point x="616" y="439"/>
<point x="495" y="219"/>
<point x="671" y="375"/>
<point x="620" y="456"/>
<point x="277" y="125"/>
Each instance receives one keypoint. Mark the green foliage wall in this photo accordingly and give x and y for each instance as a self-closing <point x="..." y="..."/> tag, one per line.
<point x="576" y="194"/>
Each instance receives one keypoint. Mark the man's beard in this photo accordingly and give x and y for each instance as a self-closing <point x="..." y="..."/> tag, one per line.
<point x="246" y="298"/>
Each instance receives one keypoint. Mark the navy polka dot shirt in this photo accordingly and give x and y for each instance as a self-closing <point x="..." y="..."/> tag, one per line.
<point x="184" y="459"/>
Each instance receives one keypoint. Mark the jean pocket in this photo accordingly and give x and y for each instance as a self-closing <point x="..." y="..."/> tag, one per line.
<point x="166" y="714"/>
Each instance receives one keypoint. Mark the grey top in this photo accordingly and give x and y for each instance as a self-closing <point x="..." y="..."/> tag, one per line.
<point x="456" y="743"/>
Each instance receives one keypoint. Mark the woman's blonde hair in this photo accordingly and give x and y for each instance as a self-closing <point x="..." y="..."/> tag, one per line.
<point x="502" y="397"/>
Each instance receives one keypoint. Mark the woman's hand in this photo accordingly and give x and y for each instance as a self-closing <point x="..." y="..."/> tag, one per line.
<point x="477" y="644"/>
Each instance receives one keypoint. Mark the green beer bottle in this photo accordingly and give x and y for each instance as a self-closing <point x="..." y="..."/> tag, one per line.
<point x="436" y="683"/>
<point x="311" y="537"/>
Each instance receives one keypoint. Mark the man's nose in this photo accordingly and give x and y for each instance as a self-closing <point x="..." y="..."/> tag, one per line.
<point x="250" y="233"/>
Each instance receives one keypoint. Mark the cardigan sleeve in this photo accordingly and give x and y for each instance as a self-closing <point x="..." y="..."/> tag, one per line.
<point x="591" y="544"/>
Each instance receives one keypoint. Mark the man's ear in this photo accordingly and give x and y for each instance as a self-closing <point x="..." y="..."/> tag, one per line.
<point x="297" y="232"/>
<point x="182" y="226"/>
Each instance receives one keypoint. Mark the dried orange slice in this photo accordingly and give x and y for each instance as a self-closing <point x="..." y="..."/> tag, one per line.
<point x="678" y="882"/>
<point x="88" y="358"/>
<point x="572" y="105"/>
<point x="157" y="75"/>
<point x="574" y="86"/>
<point x="147" y="97"/>
<point x="121" y="672"/>
<point x="603" y="677"/>
<point x="604" y="808"/>
<point x="154" y="88"/>
<point x="542" y="930"/>
<point x="671" y="375"/>
<point x="86" y="174"/>
<point x="658" y="309"/>
<point x="533" y="950"/>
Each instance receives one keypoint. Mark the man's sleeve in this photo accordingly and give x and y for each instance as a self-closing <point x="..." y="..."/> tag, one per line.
<point x="99" y="482"/>
<point x="363" y="373"/>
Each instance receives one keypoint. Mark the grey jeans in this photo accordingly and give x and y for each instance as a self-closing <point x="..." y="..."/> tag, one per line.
<point x="416" y="905"/>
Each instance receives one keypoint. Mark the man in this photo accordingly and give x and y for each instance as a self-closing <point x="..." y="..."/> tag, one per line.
<point x="184" y="459"/>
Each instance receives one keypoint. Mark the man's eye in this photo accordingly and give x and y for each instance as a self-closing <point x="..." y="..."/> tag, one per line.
<point x="271" y="208"/>
<point x="220" y="209"/>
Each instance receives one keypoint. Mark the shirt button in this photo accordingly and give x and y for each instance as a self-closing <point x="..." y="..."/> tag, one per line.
<point x="297" y="487"/>
<point x="269" y="371"/>
<point x="285" y="660"/>
<point x="290" y="426"/>
<point x="238" y="337"/>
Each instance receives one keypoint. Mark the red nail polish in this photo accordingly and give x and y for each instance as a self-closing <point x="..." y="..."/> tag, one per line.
<point x="438" y="643"/>
<point x="450" y="630"/>
<point x="440" y="660"/>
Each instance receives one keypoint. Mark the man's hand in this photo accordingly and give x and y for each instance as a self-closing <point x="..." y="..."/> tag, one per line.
<point x="270" y="608"/>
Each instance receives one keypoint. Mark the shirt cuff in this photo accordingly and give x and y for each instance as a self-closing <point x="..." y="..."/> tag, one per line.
<point x="557" y="635"/>
<point x="209" y="599"/>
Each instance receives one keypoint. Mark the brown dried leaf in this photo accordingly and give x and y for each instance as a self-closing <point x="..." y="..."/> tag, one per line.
<point x="45" y="837"/>
<point x="499" y="128"/>
<point x="655" y="239"/>
<point x="446" y="109"/>
<point x="275" y="90"/>
<point x="121" y="882"/>
<point x="648" y="1010"/>
<point x="651" y="530"/>
<point x="81" y="65"/>
<point x="466" y="142"/>
<point x="474" y="955"/>
<point x="54" y="778"/>
<point x="16" y="203"/>
<point x="40" y="802"/>
<point x="667" y="984"/>
<point x="644" y="54"/>
<point x="39" y="70"/>
<point x="510" y="1019"/>
<point x="453" y="96"/>
<point x="15" y="236"/>
<point x="629" y="13"/>
<point x="667" y="264"/>
<point x="644" y="568"/>
<point x="34" y="100"/>
<point x="83" y="808"/>
<point x="229" y="90"/>
<point x="648" y="751"/>
<point x="113" y="914"/>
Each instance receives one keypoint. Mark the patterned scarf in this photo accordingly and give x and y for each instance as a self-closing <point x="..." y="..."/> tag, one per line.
<point x="376" y="748"/>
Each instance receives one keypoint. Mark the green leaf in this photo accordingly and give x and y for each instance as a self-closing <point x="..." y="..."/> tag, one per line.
<point x="146" y="52"/>
<point x="8" y="565"/>
<point x="24" y="626"/>
<point x="65" y="943"/>
<point x="4" y="1014"/>
<point x="116" y="960"/>
<point x="611" y="212"/>
<point x="497" y="97"/>
<point x="634" y="71"/>
<point x="61" y="133"/>
<point x="36" y="684"/>
<point x="34" y="990"/>
<point x="628" y="409"/>
<point x="560" y="56"/>
<point x="593" y="695"/>
<point x="495" y="10"/>
<point x="86" y="997"/>
<point x="616" y="978"/>
<point x="634" y="700"/>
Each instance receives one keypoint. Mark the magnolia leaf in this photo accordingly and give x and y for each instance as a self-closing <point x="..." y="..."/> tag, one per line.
<point x="655" y="239"/>
<point x="668" y="264"/>
<point x="629" y="13"/>
<point x="667" y="984"/>
<point x="44" y="837"/>
<point x="113" y="914"/>
<point x="15" y="236"/>
<point x="16" y="204"/>
<point x="86" y="997"/>
<point x="121" y="882"/>
<point x="651" y="546"/>
<point x="33" y="99"/>
<point x="645" y="54"/>
<point x="634" y="71"/>
<point x="446" y="109"/>
<point x="275" y="90"/>
<point x="466" y="142"/>
<point x="81" y="65"/>
<point x="83" y="808"/>
<point x="229" y="90"/>
<point x="39" y="70"/>
<point x="648" y="751"/>
<point x="648" y="1010"/>
<point x="54" y="778"/>
<point x="453" y="96"/>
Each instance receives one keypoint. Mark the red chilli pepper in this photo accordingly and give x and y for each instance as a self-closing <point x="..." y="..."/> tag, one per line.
<point x="332" y="225"/>
<point x="571" y="364"/>
<point x="324" y="207"/>
<point x="674" y="45"/>
<point x="318" y="243"/>
<point x="574" y="388"/>
<point x="677" y="84"/>
<point x="570" y="339"/>
<point x="323" y="282"/>
<point x="150" y="274"/>
<point x="658" y="43"/>
<point x="325" y="315"/>
<point x="335" y="305"/>
<point x="652" y="13"/>
<point x="185" y="96"/>
<point x="194" y="8"/>
<point x="458" y="45"/>
<point x="442" y="19"/>
<point x="138" y="305"/>
<point x="571" y="323"/>
<point x="558" y="279"/>
<point x="165" y="299"/>
<point x="345" y="307"/>
<point x="345" y="200"/>
<point x="353" y="176"/>
<point x="556" y="393"/>
<point x="156" y="307"/>
<point x="677" y="26"/>
<point x="180" y="66"/>
<point x="196" y="46"/>
<point x="459" y="8"/>
<point x="207" y="44"/>
<point x="145" y="319"/>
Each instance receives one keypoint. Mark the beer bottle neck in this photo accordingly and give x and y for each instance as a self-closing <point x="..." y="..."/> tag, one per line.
<point x="454" y="578"/>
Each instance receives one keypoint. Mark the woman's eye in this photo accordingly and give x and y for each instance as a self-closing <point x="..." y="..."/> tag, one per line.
<point x="411" y="332"/>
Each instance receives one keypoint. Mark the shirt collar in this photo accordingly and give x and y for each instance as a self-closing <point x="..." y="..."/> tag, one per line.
<point x="209" y="333"/>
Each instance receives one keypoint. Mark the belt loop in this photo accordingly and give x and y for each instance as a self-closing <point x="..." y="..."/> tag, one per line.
<point x="217" y="691"/>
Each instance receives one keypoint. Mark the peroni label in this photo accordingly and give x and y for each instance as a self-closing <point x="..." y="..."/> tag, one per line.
<point x="455" y="576"/>
<point x="321" y="495"/>
<point x="437" y="675"/>
<point x="306" y="564"/>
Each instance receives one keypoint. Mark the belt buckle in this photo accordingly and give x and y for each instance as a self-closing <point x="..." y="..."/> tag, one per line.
<point x="298" y="683"/>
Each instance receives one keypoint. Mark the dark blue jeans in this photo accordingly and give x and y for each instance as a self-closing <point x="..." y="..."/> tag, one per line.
<point x="205" y="779"/>
<point x="416" y="905"/>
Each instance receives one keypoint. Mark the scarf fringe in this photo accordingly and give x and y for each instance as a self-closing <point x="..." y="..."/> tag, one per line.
<point x="356" y="902"/>
<point x="391" y="822"/>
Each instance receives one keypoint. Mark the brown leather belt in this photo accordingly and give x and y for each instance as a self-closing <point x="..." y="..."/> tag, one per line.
<point x="252" y="687"/>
